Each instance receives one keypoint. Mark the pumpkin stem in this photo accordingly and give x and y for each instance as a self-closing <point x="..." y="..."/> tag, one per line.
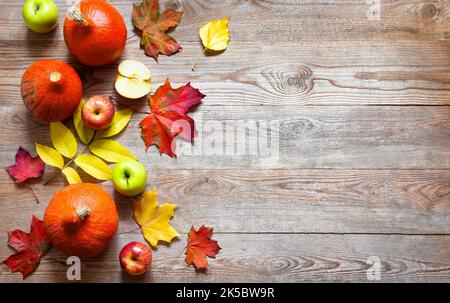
<point x="55" y="77"/>
<point x="83" y="212"/>
<point x="75" y="14"/>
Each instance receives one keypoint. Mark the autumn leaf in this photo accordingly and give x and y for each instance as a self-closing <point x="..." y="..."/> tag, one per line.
<point x="26" y="166"/>
<point x="168" y="118"/>
<point x="119" y="122"/>
<point x="63" y="140"/>
<point x="29" y="248"/>
<point x="153" y="26"/>
<point x="94" y="166"/>
<point x="71" y="175"/>
<point x="199" y="246"/>
<point x="215" y="35"/>
<point x="154" y="219"/>
<point x="50" y="155"/>
<point x="85" y="133"/>
<point x="111" y="150"/>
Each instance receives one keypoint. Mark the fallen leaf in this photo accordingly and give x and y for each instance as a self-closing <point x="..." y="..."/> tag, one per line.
<point x="119" y="122"/>
<point x="94" y="166"/>
<point x="85" y="133"/>
<point x="215" y="35"/>
<point x="199" y="246"/>
<point x="111" y="150"/>
<point x="154" y="219"/>
<point x="71" y="175"/>
<point x="153" y="26"/>
<point x="50" y="155"/>
<point x="168" y="118"/>
<point x="26" y="166"/>
<point x="63" y="140"/>
<point x="29" y="248"/>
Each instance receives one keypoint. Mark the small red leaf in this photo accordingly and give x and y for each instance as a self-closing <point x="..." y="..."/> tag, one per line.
<point x="168" y="118"/>
<point x="200" y="246"/>
<point x="26" y="166"/>
<point x="29" y="248"/>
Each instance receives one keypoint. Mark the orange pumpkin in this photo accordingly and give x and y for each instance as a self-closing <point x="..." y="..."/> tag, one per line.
<point x="95" y="32"/>
<point x="51" y="90"/>
<point x="81" y="220"/>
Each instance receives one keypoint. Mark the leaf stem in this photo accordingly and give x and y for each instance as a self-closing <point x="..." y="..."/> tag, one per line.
<point x="198" y="60"/>
<point x="70" y="161"/>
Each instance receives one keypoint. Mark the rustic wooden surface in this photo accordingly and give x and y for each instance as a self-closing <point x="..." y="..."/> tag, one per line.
<point x="364" y="142"/>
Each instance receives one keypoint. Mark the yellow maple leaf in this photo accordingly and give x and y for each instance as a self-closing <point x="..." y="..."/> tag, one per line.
<point x="154" y="219"/>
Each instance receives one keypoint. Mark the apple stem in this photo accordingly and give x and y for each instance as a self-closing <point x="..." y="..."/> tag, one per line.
<point x="75" y="14"/>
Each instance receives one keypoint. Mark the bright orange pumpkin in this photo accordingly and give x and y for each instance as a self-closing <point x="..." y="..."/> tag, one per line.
<point x="51" y="90"/>
<point x="95" y="32"/>
<point x="81" y="220"/>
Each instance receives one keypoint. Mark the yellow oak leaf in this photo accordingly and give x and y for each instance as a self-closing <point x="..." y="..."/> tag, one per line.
<point x="215" y="35"/>
<point x="71" y="175"/>
<point x="85" y="133"/>
<point x="94" y="166"/>
<point x="50" y="155"/>
<point x="154" y="219"/>
<point x="63" y="140"/>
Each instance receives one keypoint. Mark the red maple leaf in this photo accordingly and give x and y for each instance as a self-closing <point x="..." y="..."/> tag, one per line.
<point x="200" y="246"/>
<point x="26" y="166"/>
<point x="153" y="26"/>
<point x="168" y="117"/>
<point x="29" y="248"/>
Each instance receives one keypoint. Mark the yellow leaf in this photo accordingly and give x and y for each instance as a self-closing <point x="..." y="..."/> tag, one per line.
<point x="154" y="219"/>
<point x="215" y="35"/>
<point x="94" y="166"/>
<point x="63" y="139"/>
<point x="84" y="132"/>
<point x="119" y="122"/>
<point x="111" y="150"/>
<point x="50" y="155"/>
<point x="71" y="175"/>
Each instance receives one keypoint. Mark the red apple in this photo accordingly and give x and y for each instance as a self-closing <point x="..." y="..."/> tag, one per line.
<point x="97" y="112"/>
<point x="135" y="258"/>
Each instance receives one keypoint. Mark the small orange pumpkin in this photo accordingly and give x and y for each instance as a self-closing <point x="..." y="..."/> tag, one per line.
<point x="95" y="33"/>
<point x="51" y="90"/>
<point x="81" y="220"/>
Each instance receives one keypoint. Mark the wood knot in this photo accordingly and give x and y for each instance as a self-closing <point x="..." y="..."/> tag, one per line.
<point x="288" y="79"/>
<point x="428" y="11"/>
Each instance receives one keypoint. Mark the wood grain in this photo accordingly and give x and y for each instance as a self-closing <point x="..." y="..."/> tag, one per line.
<point x="277" y="201"/>
<point x="363" y="163"/>
<point x="269" y="258"/>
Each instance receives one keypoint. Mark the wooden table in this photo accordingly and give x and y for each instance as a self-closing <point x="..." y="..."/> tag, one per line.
<point x="363" y="105"/>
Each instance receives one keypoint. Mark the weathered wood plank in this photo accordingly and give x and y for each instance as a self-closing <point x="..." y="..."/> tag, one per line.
<point x="279" y="20"/>
<point x="319" y="201"/>
<point x="268" y="258"/>
<point x="362" y="137"/>
<point x="331" y="73"/>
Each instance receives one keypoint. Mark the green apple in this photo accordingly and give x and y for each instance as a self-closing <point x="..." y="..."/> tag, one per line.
<point x="41" y="16"/>
<point x="129" y="177"/>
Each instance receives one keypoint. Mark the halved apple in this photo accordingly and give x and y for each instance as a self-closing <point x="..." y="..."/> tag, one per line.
<point x="133" y="79"/>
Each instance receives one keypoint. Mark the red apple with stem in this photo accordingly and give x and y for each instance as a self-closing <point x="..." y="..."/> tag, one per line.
<point x="97" y="112"/>
<point x="135" y="258"/>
